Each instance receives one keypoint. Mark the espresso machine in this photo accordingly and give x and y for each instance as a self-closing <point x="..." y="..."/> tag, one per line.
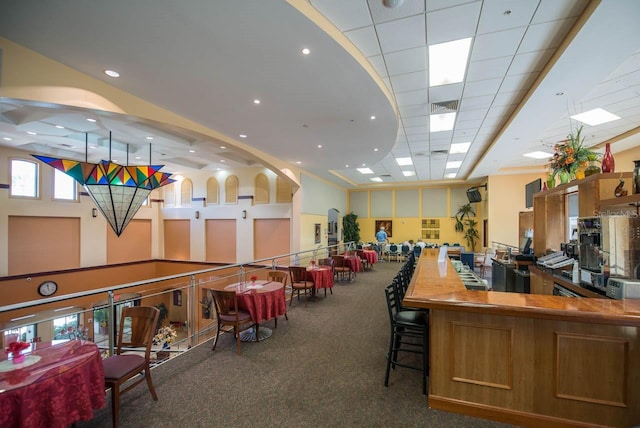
<point x="609" y="246"/>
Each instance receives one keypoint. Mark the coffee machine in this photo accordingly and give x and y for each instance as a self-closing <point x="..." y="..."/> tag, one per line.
<point x="608" y="246"/>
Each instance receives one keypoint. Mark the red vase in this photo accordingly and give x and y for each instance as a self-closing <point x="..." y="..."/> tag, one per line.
<point x="608" y="164"/>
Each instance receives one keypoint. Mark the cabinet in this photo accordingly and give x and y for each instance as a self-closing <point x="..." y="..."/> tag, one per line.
<point x="502" y="276"/>
<point x="539" y="282"/>
<point x="595" y="197"/>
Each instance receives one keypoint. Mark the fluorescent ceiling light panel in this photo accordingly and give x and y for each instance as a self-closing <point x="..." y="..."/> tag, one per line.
<point x="451" y="175"/>
<point x="404" y="161"/>
<point x="448" y="62"/>
<point x="453" y="164"/>
<point x="365" y="170"/>
<point x="441" y="122"/>
<point x="459" y="148"/>
<point x="594" y="117"/>
<point x="376" y="179"/>
<point x="409" y="173"/>
<point x="538" y="155"/>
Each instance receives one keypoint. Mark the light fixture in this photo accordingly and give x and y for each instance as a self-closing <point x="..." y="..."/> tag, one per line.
<point x="538" y="155"/>
<point x="404" y="161"/>
<point x="459" y="148"/>
<point x="197" y="213"/>
<point x="448" y="62"/>
<point x="364" y="170"/>
<point x="594" y="117"/>
<point x="112" y="73"/>
<point x="306" y="51"/>
<point x="441" y="122"/>
<point x="453" y="164"/>
<point x="376" y="179"/>
<point x="244" y="213"/>
<point x="392" y="3"/>
<point x="94" y="212"/>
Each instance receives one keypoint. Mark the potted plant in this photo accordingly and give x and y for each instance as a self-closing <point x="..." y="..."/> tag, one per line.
<point x="570" y="156"/>
<point x="465" y="223"/>
<point x="350" y="228"/>
<point x="100" y="316"/>
<point x="164" y="312"/>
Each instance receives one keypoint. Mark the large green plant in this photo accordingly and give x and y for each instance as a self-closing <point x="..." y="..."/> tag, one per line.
<point x="350" y="228"/>
<point x="467" y="225"/>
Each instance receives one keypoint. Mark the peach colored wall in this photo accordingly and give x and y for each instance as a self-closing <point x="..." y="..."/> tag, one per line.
<point x="132" y="245"/>
<point x="271" y="237"/>
<point x="43" y="243"/>
<point x="221" y="240"/>
<point x="177" y="242"/>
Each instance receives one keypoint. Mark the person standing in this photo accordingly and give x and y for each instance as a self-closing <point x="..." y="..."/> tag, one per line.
<point x="382" y="238"/>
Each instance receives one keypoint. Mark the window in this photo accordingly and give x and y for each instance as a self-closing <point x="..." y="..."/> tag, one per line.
<point x="67" y="327"/>
<point x="24" y="178"/>
<point x="64" y="186"/>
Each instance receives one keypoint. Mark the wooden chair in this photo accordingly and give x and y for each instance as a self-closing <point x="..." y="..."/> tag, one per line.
<point x="228" y="314"/>
<point x="363" y="259"/>
<point x="121" y="367"/>
<point x="299" y="282"/>
<point x="341" y="268"/>
<point x="479" y="258"/>
<point x="278" y="276"/>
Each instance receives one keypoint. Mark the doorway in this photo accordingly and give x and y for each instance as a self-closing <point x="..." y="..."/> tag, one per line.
<point x="332" y="231"/>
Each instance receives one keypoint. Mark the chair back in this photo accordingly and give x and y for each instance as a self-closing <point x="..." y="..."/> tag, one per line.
<point x="393" y="248"/>
<point x="277" y="276"/>
<point x="139" y="331"/>
<point x="417" y="250"/>
<point x="392" y="303"/>
<point x="405" y="250"/>
<point x="338" y="261"/>
<point x="298" y="274"/>
<point x="327" y="261"/>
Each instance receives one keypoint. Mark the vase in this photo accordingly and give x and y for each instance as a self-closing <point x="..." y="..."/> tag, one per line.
<point x="593" y="168"/>
<point x="636" y="177"/>
<point x="551" y="181"/>
<point x="18" y="359"/>
<point x="580" y="171"/>
<point x="608" y="163"/>
<point x="563" y="176"/>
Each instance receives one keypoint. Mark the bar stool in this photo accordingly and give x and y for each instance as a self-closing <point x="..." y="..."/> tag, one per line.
<point x="410" y="334"/>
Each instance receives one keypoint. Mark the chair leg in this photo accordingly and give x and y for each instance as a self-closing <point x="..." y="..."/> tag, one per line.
<point x="147" y="375"/>
<point x="236" y="332"/>
<point x="115" y="404"/>
<point x="257" y="332"/>
<point x="215" y="342"/>
<point x="389" y="356"/>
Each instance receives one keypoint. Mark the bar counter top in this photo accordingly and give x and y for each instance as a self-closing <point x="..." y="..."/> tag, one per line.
<point x="437" y="286"/>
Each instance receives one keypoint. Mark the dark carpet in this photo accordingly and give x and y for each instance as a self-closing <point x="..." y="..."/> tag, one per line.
<point x="324" y="367"/>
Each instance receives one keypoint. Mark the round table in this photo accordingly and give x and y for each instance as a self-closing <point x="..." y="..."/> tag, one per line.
<point x="264" y="300"/>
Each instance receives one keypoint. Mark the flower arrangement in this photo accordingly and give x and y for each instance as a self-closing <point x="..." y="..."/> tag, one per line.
<point x="570" y="154"/>
<point x="253" y="278"/>
<point x="16" y="347"/>
<point x="165" y="335"/>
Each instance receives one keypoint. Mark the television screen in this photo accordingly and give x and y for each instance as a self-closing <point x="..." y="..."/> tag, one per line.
<point x="529" y="190"/>
<point x="473" y="194"/>
<point x="525" y="245"/>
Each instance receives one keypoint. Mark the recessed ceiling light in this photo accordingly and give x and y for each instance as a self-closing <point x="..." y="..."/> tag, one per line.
<point x="404" y="161"/>
<point x="256" y="101"/>
<point x="223" y="147"/>
<point x="31" y="133"/>
<point x="459" y="148"/>
<point x="346" y="166"/>
<point x="594" y="117"/>
<point x="453" y="164"/>
<point x="92" y="147"/>
<point x="538" y="155"/>
<point x="448" y="62"/>
<point x="7" y="139"/>
<point x="376" y="179"/>
<point x="409" y="173"/>
<point x="441" y="122"/>
<point x="149" y="138"/>
<point x="365" y="171"/>
<point x="372" y="118"/>
<point x="375" y="150"/>
<point x="306" y="51"/>
<point x="298" y="162"/>
<point x="243" y="135"/>
<point x="451" y="175"/>
<point x="91" y="120"/>
<point x="222" y="160"/>
<point x="112" y="73"/>
<point x="319" y="146"/>
<point x="192" y="151"/>
<point x="59" y="126"/>
<point x="137" y="157"/>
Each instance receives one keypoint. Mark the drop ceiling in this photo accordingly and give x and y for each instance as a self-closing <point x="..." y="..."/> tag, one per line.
<point x="533" y="63"/>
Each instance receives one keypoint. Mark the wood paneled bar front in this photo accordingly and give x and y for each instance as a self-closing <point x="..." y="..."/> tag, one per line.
<point x="528" y="359"/>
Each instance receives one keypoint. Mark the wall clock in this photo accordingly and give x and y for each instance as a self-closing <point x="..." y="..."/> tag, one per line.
<point x="47" y="288"/>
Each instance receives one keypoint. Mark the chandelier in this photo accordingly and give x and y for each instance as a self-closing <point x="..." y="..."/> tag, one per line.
<point x="118" y="191"/>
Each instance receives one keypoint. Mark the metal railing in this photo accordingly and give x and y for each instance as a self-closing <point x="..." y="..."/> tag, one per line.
<point x="199" y="322"/>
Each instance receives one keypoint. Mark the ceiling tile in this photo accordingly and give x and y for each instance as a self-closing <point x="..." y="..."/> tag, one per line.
<point x="411" y="98"/>
<point x="488" y="69"/>
<point x="445" y="93"/>
<point x="415" y="121"/>
<point x="402" y="34"/>
<point x="555" y="10"/>
<point x="529" y="62"/>
<point x="407" y="61"/>
<point x="378" y="64"/>
<point x="452" y="23"/>
<point x="482" y="87"/>
<point x="345" y="14"/>
<point x="413" y="111"/>
<point x="493" y="17"/>
<point x="546" y="35"/>
<point x="409" y="81"/>
<point x="498" y="44"/>
<point x="380" y="13"/>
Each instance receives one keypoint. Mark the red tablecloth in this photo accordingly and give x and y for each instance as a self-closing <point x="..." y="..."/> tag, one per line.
<point x="354" y="263"/>
<point x="262" y="303"/>
<point x="64" y="386"/>
<point x="371" y="256"/>
<point x="322" y="276"/>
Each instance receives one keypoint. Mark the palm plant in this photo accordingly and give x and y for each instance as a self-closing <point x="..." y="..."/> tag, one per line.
<point x="464" y="221"/>
<point x="351" y="228"/>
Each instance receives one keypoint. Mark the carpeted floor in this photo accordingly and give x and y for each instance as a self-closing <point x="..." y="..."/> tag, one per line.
<point x="322" y="368"/>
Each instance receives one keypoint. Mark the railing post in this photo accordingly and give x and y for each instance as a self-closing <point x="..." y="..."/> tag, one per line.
<point x="191" y="311"/>
<point x="111" y="322"/>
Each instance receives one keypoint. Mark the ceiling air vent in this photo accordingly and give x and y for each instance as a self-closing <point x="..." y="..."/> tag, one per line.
<point x="385" y="175"/>
<point x="444" y="107"/>
<point x="439" y="152"/>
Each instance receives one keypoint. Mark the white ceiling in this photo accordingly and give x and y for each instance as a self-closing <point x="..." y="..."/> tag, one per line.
<point x="208" y="61"/>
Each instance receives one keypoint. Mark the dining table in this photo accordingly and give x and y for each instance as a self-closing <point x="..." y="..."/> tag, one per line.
<point x="354" y="262"/>
<point x="57" y="385"/>
<point x="322" y="277"/>
<point x="264" y="300"/>
<point x="371" y="256"/>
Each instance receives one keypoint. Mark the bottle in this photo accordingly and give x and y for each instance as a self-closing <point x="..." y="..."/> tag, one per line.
<point x="636" y="177"/>
<point x="575" y="274"/>
<point x="608" y="164"/>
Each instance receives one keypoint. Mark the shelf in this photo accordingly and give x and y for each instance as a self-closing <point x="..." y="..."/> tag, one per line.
<point x="572" y="186"/>
<point x="632" y="200"/>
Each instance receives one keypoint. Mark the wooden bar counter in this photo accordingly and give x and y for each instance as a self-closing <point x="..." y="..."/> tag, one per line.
<point x="528" y="359"/>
